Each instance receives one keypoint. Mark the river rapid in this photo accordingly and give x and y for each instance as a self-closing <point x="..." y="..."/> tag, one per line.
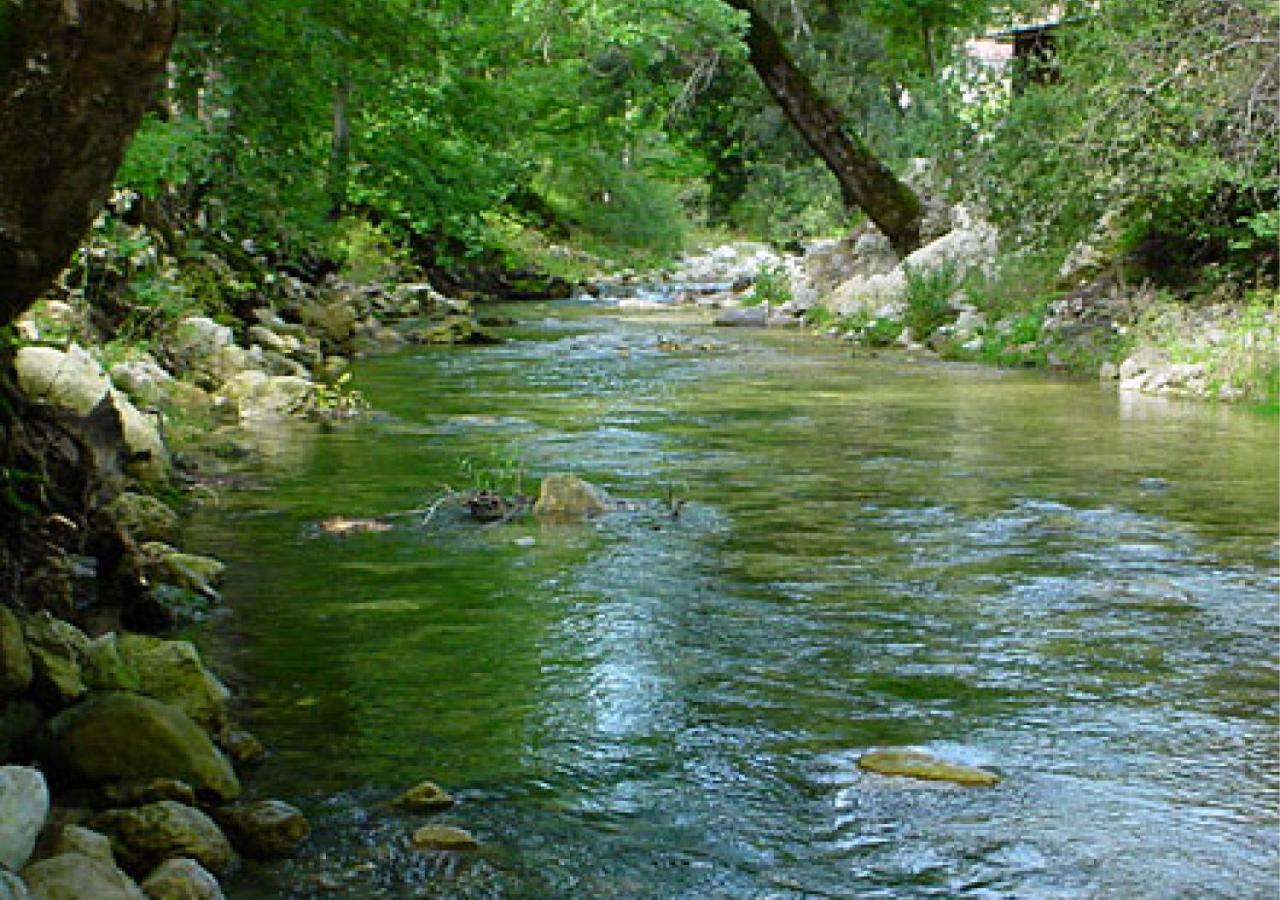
<point x="1073" y="588"/>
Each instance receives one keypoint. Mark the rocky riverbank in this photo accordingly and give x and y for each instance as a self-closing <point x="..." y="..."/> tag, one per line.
<point x="961" y="297"/>
<point x="122" y="763"/>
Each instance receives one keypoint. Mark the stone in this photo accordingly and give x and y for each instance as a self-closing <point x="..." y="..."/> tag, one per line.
<point x="245" y="750"/>
<point x="144" y="518"/>
<point x="15" y="660"/>
<point x="159" y="562"/>
<point x="74" y="382"/>
<point x="457" y="330"/>
<point x="171" y="671"/>
<point x="336" y="321"/>
<point x="145" y="836"/>
<point x="56" y="649"/>
<point x="141" y="791"/>
<point x="12" y="887"/>
<point x="70" y="380"/>
<point x="181" y="879"/>
<point x="569" y="497"/>
<point x="443" y="837"/>
<point x="74" y="876"/>
<point x="425" y="797"/>
<point x="914" y="764"/>
<point x="265" y="829"/>
<point x="103" y="667"/>
<point x="78" y="839"/>
<point x="24" y="805"/>
<point x="117" y="736"/>
<point x="257" y="395"/>
<point x="205" y="349"/>
<point x="744" y="317"/>
<point x="143" y="380"/>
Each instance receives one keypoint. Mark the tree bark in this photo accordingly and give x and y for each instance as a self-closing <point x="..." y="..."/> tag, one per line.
<point x="75" y="79"/>
<point x="865" y="182"/>
<point x="340" y="148"/>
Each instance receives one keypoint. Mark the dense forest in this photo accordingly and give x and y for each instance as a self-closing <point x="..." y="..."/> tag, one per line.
<point x="209" y="210"/>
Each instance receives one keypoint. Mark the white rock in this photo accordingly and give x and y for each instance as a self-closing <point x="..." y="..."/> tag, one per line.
<point x="24" y="805"/>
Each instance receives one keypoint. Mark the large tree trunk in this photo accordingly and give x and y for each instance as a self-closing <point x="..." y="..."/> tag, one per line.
<point x="865" y="182"/>
<point x="75" y="78"/>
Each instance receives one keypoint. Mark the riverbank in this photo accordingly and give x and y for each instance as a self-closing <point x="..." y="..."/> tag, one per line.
<point x="154" y="373"/>
<point x="961" y="298"/>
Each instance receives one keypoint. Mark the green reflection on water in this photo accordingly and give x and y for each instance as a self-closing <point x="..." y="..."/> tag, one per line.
<point x="1036" y="575"/>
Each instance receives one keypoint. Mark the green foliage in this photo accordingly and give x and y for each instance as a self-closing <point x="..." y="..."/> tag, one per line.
<point x="928" y="300"/>
<point x="366" y="253"/>
<point x="771" y="286"/>
<point x="1167" y="110"/>
<point x="337" y="400"/>
<point x="166" y="153"/>
<point x="500" y="471"/>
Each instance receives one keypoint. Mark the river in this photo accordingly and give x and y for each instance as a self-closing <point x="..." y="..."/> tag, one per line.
<point x="1074" y="589"/>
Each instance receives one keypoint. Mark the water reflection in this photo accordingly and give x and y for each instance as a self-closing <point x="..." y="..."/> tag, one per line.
<point x="1031" y="575"/>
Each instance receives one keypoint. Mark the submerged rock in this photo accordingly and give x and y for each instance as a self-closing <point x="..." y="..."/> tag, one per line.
<point x="182" y="879"/>
<point x="24" y="805"/>
<point x="914" y="764"/>
<point x="425" y="797"/>
<point x="145" y="836"/>
<point x="457" y="330"/>
<point x="443" y="837"/>
<point x="570" y="497"/>
<point x="746" y="317"/>
<point x="245" y="750"/>
<point x="266" y="829"/>
<point x="119" y="736"/>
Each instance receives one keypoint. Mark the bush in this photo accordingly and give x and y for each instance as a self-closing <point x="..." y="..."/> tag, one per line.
<point x="929" y="300"/>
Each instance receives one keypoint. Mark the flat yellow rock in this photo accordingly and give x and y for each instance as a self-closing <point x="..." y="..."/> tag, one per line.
<point x="914" y="764"/>
<point x="443" y="837"/>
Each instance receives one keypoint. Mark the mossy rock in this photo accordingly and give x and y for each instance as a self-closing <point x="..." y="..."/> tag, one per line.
<point x="425" y="797"/>
<point x="443" y="837"/>
<point x="145" y="836"/>
<point x="15" y="660"/>
<point x="265" y="829"/>
<point x="171" y="671"/>
<point x="914" y="764"/>
<point x="117" y="736"/>
<point x="458" y="330"/>
<point x="570" y="497"/>
<point x="144" y="518"/>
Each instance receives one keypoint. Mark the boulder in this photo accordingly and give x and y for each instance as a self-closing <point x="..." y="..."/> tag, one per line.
<point x="143" y="518"/>
<point x="257" y="395"/>
<point x="181" y="879"/>
<point x="15" y="660"/>
<point x="145" y="836"/>
<point x="335" y="321"/>
<point x="457" y="330"/>
<point x="171" y="671"/>
<point x="569" y="497"/>
<point x="743" y="317"/>
<point x="143" y="380"/>
<point x="443" y="837"/>
<point x="425" y="797"/>
<point x="118" y="736"/>
<point x="74" y="876"/>
<point x="73" y="381"/>
<point x="103" y="667"/>
<point x="265" y="829"/>
<point x="206" y="350"/>
<point x="56" y="649"/>
<point x="70" y="380"/>
<point x="914" y="764"/>
<point x="78" y="839"/>
<point x="24" y="805"/>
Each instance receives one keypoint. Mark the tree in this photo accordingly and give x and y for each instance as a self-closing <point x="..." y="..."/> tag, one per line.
<point x="865" y="182"/>
<point x="75" y="78"/>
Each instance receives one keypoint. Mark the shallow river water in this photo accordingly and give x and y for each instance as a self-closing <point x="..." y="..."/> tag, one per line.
<point x="1076" y="590"/>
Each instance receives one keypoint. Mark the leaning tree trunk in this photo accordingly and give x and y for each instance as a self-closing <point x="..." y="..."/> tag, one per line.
<point x="865" y="182"/>
<point x="75" y="78"/>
